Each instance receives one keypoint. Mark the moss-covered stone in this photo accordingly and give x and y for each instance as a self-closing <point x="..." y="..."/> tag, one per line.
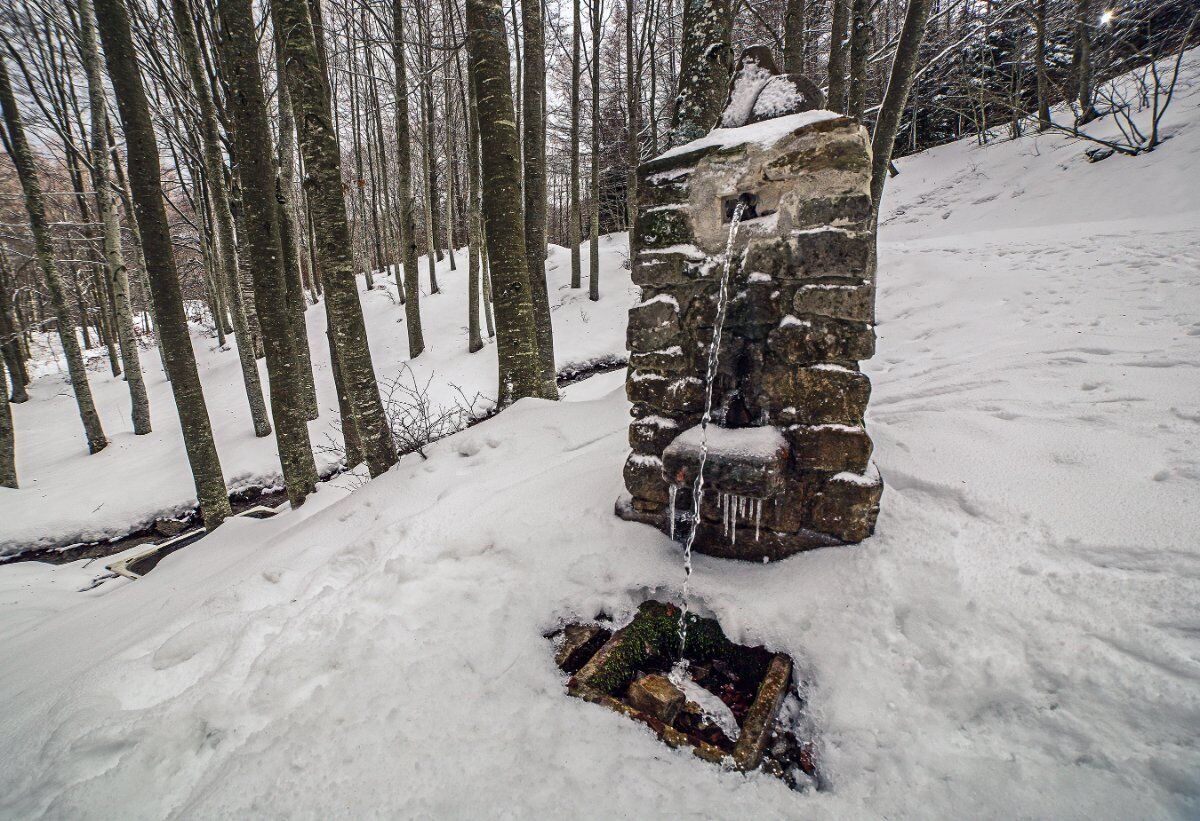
<point x="664" y="227"/>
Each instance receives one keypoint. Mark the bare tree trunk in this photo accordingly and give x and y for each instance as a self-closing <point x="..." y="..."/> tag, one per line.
<point x="860" y="44"/>
<point x="255" y="157"/>
<point x="115" y="270"/>
<point x="900" y="79"/>
<point x="10" y="335"/>
<point x="487" y="47"/>
<point x="576" y="218"/>
<point x="1039" y="58"/>
<point x="322" y="165"/>
<point x="633" y="125"/>
<point x="474" y="227"/>
<point x="296" y="306"/>
<point x="408" y="225"/>
<point x="451" y="169"/>
<point x="8" y="451"/>
<point x="1083" y="61"/>
<point x="214" y="172"/>
<point x="289" y="236"/>
<point x="704" y="67"/>
<point x="433" y="239"/>
<point x="146" y="183"/>
<point x="840" y="16"/>
<point x="594" y="260"/>
<point x="22" y="159"/>
<point x="360" y="183"/>
<point x="534" y="144"/>
<point x="794" y="37"/>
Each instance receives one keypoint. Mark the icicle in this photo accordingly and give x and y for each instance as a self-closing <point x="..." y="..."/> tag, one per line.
<point x="671" y="494"/>
<point x="705" y="418"/>
<point x="757" y="516"/>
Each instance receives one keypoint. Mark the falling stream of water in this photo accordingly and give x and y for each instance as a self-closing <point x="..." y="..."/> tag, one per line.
<point x="698" y="486"/>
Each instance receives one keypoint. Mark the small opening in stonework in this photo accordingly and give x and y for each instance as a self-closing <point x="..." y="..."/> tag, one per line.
<point x="751" y="202"/>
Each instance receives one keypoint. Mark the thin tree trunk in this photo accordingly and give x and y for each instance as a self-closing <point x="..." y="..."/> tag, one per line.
<point x="576" y="217"/>
<point x="8" y="451"/>
<point x="534" y="147"/>
<point x="687" y="124"/>
<point x="255" y="157"/>
<point x="840" y="19"/>
<point x="474" y="227"/>
<point x="296" y="306"/>
<point x="116" y="272"/>
<point x="433" y="237"/>
<point x="11" y="336"/>
<point x="1039" y="58"/>
<point x="360" y="183"/>
<point x="1083" y="61"/>
<point x="794" y="37"/>
<point x="214" y="173"/>
<point x="146" y="183"/>
<point x="322" y="165"/>
<point x="289" y="235"/>
<point x="860" y="45"/>
<point x="900" y="79"/>
<point x="408" y="225"/>
<point x="516" y="342"/>
<point x="489" y="315"/>
<point x="633" y="124"/>
<point x="22" y="159"/>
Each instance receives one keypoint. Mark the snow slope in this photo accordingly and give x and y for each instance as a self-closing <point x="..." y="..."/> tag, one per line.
<point x="69" y="496"/>
<point x="1019" y="639"/>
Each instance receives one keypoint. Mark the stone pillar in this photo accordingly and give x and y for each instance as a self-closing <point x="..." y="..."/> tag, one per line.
<point x="788" y="465"/>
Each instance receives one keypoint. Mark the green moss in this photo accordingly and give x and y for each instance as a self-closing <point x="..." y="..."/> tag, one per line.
<point x="653" y="635"/>
<point x="662" y="229"/>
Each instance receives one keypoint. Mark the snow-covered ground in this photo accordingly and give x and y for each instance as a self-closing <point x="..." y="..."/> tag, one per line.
<point x="69" y="496"/>
<point x="1019" y="639"/>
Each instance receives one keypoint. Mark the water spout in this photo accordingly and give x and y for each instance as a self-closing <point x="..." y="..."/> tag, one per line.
<point x="710" y="375"/>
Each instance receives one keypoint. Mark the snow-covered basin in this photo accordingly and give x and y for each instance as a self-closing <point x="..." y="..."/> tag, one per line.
<point x="1019" y="639"/>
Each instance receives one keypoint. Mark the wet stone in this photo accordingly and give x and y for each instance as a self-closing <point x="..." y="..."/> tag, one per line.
<point x="579" y="643"/>
<point x="656" y="695"/>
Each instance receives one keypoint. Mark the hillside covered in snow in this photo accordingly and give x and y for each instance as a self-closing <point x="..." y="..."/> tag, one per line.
<point x="1019" y="638"/>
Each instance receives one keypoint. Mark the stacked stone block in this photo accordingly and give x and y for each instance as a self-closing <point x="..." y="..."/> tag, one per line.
<point x="799" y="320"/>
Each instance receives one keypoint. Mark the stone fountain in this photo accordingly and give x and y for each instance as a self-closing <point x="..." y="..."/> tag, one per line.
<point x="787" y="457"/>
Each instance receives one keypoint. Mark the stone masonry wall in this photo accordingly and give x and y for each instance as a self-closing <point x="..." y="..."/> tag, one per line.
<point x="799" y="320"/>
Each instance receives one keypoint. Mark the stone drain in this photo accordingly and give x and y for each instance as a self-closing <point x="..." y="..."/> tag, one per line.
<point x="736" y="706"/>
